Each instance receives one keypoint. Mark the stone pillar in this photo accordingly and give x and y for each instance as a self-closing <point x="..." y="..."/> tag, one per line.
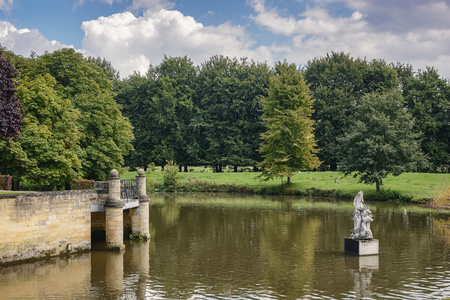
<point x="140" y="218"/>
<point x="114" y="214"/>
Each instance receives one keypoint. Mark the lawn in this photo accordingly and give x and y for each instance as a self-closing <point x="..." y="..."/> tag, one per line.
<point x="415" y="185"/>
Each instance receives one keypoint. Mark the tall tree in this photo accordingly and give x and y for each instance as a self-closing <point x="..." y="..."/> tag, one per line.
<point x="337" y="82"/>
<point x="227" y="96"/>
<point x="288" y="144"/>
<point x="381" y="141"/>
<point x="427" y="98"/>
<point x="10" y="108"/>
<point x="160" y="107"/>
<point x="107" y="135"/>
<point x="46" y="151"/>
<point x="176" y="76"/>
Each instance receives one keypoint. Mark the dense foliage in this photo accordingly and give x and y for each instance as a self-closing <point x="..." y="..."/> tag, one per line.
<point x="10" y="108"/>
<point x="73" y="128"/>
<point x="338" y="82"/>
<point x="196" y="116"/>
<point x="381" y="140"/>
<point x="81" y="118"/>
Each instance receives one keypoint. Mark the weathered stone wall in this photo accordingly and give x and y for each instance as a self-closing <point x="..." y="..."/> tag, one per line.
<point x="38" y="225"/>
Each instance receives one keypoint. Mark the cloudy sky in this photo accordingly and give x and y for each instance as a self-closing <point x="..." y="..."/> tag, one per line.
<point x="133" y="34"/>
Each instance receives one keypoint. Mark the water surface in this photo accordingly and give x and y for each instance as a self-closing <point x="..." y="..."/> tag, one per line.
<point x="233" y="247"/>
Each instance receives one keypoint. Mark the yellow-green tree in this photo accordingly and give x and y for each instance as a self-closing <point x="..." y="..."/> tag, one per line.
<point x="288" y="145"/>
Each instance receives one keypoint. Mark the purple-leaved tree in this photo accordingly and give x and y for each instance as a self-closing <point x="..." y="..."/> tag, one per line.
<point x="10" y="108"/>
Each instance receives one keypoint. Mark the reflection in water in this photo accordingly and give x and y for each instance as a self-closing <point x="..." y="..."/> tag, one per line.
<point x="362" y="268"/>
<point x="251" y="248"/>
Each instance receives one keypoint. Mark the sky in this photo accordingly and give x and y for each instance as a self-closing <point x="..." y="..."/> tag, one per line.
<point x="134" y="34"/>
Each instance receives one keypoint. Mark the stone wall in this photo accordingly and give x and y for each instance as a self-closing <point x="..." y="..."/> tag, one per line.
<point x="38" y="225"/>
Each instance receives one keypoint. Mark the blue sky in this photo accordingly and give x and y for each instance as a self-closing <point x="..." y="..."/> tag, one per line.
<point x="133" y="34"/>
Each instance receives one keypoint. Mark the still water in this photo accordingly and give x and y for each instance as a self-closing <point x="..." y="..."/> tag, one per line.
<point x="233" y="247"/>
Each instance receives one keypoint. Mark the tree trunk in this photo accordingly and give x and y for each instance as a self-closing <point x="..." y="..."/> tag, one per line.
<point x="235" y="169"/>
<point x="378" y="186"/>
<point x="180" y="168"/>
<point x="186" y="169"/>
<point x="288" y="180"/>
<point x="15" y="185"/>
<point x="255" y="169"/>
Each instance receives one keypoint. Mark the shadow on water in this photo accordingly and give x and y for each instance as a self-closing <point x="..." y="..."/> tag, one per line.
<point x="252" y="247"/>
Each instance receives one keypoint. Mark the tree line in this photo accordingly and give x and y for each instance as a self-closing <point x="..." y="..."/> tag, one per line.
<point x="213" y="115"/>
<point x="81" y="120"/>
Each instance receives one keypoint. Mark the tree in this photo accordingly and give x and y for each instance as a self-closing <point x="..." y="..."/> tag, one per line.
<point x="427" y="98"/>
<point x="337" y="82"/>
<point x="107" y="135"/>
<point x="288" y="144"/>
<point x="160" y="107"/>
<point x="381" y="140"/>
<point x="229" y="124"/>
<point x="10" y="108"/>
<point x="46" y="151"/>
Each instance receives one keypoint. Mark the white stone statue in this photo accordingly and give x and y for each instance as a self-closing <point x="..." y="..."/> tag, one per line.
<point x="362" y="216"/>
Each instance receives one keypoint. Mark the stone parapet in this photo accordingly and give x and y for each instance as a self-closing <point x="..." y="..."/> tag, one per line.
<point x="44" y="224"/>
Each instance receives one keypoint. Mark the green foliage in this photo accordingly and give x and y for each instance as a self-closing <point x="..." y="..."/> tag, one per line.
<point x="170" y="181"/>
<point x="427" y="98"/>
<point x="159" y="106"/>
<point x="392" y="196"/>
<point x="337" y="82"/>
<point x="288" y="145"/>
<point x="73" y="127"/>
<point x="107" y="135"/>
<point x="46" y="151"/>
<point x="151" y="167"/>
<point x="229" y="121"/>
<point x="381" y="140"/>
<point x="137" y="237"/>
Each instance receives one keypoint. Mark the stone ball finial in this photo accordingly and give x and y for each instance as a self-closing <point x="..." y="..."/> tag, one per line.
<point x="141" y="172"/>
<point x="113" y="173"/>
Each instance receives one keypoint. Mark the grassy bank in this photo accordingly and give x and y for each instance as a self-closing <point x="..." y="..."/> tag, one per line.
<point x="408" y="186"/>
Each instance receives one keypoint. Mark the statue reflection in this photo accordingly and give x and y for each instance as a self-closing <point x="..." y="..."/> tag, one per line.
<point x="362" y="268"/>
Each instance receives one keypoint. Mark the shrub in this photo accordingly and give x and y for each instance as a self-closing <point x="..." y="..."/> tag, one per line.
<point x="392" y="196"/>
<point x="82" y="184"/>
<point x="151" y="167"/>
<point x="170" y="179"/>
<point x="442" y="199"/>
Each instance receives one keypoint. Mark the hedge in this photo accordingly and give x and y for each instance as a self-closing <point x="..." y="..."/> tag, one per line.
<point x="5" y="182"/>
<point x="82" y="184"/>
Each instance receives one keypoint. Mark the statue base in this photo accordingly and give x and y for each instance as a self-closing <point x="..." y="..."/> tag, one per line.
<point x="361" y="247"/>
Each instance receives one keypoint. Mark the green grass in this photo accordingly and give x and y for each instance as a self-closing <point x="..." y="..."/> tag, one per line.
<point x="9" y="192"/>
<point x="416" y="186"/>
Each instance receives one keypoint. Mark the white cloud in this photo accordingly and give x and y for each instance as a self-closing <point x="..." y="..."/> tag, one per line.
<point x="25" y="41"/>
<point x="419" y="35"/>
<point x="6" y="5"/>
<point x="132" y="43"/>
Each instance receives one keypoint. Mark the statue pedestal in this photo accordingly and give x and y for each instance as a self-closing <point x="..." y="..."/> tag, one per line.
<point x="361" y="247"/>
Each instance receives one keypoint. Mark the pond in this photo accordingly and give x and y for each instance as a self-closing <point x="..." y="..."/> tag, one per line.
<point x="253" y="247"/>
